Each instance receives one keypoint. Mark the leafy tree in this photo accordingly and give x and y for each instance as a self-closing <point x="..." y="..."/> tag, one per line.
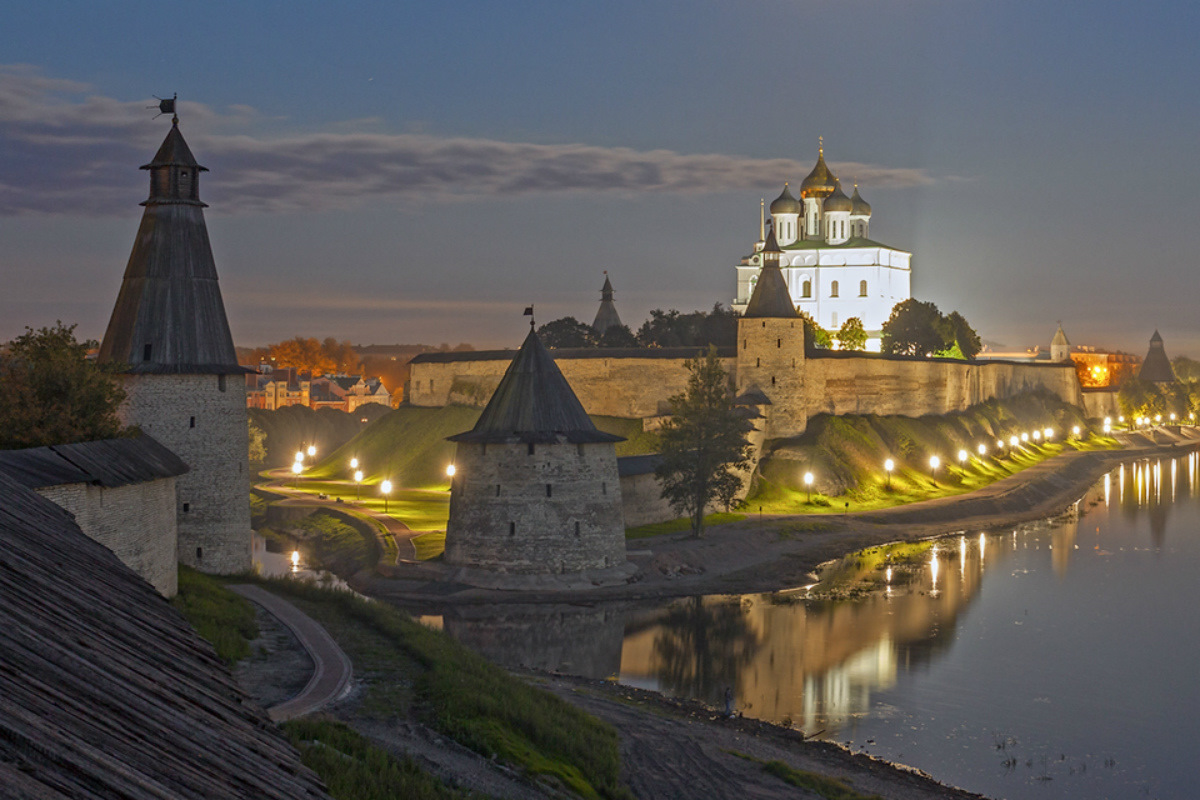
<point x="957" y="331"/>
<point x="303" y="354"/>
<point x="852" y="335"/>
<point x="1139" y="398"/>
<point x="51" y="393"/>
<point x="342" y="354"/>
<point x="1186" y="369"/>
<point x="567" y="332"/>
<point x="663" y="329"/>
<point x="913" y="329"/>
<point x="815" y="337"/>
<point x="618" y="336"/>
<point x="697" y="329"/>
<point x="258" y="443"/>
<point x="704" y="443"/>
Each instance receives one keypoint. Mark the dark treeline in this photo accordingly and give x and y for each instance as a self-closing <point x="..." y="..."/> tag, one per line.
<point x="663" y="329"/>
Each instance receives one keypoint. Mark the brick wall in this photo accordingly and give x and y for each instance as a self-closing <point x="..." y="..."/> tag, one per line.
<point x="136" y="522"/>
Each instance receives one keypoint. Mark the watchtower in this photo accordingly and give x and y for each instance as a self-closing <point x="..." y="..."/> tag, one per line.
<point x="183" y="383"/>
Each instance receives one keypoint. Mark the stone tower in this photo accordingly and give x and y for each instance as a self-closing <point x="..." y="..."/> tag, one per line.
<point x="770" y="355"/>
<point x="1060" y="348"/>
<point x="1157" y="367"/>
<point x="536" y="490"/>
<point x="606" y="316"/>
<point x="183" y="383"/>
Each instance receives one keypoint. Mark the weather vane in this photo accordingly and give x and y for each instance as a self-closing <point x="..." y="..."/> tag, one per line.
<point x="166" y="106"/>
<point x="529" y="313"/>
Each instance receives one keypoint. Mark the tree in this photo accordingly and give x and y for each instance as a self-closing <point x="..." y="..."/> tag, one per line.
<point x="51" y="393"/>
<point x="697" y="329"/>
<point x="912" y="329"/>
<point x="567" y="332"/>
<point x="618" y="336"/>
<point x="852" y="335"/>
<point x="704" y="444"/>
<point x="345" y="359"/>
<point x="957" y="331"/>
<point x="815" y="337"/>
<point x="258" y="443"/>
<point x="303" y="354"/>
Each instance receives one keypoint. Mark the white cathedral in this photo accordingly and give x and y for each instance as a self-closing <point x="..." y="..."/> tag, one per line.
<point x="833" y="269"/>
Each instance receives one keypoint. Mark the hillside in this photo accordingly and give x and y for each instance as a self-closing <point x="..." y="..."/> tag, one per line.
<point x="291" y="428"/>
<point x="409" y="447"/>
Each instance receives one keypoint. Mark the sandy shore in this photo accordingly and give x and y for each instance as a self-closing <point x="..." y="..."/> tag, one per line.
<point x="764" y="553"/>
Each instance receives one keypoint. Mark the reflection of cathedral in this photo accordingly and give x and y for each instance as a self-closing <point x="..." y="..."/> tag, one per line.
<point x="833" y="269"/>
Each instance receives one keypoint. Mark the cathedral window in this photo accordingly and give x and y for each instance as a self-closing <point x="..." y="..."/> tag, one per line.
<point x="862" y="288"/>
<point x="833" y="289"/>
<point x="806" y="289"/>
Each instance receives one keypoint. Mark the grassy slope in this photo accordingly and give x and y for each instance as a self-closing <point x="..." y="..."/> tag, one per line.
<point x="409" y="447"/>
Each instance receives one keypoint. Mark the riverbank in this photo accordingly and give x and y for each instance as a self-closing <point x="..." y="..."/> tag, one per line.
<point x="768" y="552"/>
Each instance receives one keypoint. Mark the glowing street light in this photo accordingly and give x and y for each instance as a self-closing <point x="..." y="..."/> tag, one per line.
<point x="808" y="482"/>
<point x="888" y="466"/>
<point x="934" y="463"/>
<point x="1108" y="427"/>
<point x="295" y="561"/>
<point x="297" y="468"/>
<point x="982" y="449"/>
<point x="1048" y="433"/>
<point x="358" y="476"/>
<point x="1024" y="437"/>
<point x="386" y="488"/>
<point x="1013" y="441"/>
<point x="1157" y="418"/>
<point x="1172" y="416"/>
<point x="962" y="457"/>
<point x="354" y="463"/>
<point x="312" y="450"/>
<point x="450" y="470"/>
<point x="1037" y="436"/>
<point x="299" y="456"/>
<point x="1075" y="430"/>
<point x="1108" y="420"/>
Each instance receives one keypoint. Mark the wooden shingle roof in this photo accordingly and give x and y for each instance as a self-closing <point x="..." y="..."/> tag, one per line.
<point x="534" y="403"/>
<point x="108" y="463"/>
<point x="105" y="691"/>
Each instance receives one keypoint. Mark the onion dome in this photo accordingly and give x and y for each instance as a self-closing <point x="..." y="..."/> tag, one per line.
<point x="858" y="206"/>
<point x="820" y="182"/>
<point x="837" y="201"/>
<point x="785" y="203"/>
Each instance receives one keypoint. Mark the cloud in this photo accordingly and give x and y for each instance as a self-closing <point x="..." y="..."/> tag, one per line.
<point x="65" y="151"/>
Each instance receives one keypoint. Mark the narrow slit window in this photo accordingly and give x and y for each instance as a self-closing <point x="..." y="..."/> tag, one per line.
<point x="146" y="352"/>
<point x="192" y="422"/>
<point x="187" y="507"/>
<point x="512" y="529"/>
<point x="549" y="490"/>
<point x="531" y="448"/>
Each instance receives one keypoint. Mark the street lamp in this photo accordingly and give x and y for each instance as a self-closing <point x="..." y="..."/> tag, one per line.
<point x="1024" y="437"/>
<point x="1013" y="441"/>
<point x="450" y="470"/>
<point x="1048" y="433"/>
<point x="888" y="466"/>
<point x="982" y="450"/>
<point x="296" y="469"/>
<point x="1075" y="430"/>
<point x="1037" y="436"/>
<point x="358" y="476"/>
<point x="808" y="482"/>
<point x="934" y="463"/>
<point x="962" y="457"/>
<point x="354" y="463"/>
<point x="386" y="488"/>
<point x="312" y="450"/>
<point x="299" y="456"/>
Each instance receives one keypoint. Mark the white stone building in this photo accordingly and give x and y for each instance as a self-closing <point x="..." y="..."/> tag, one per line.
<point x="832" y="268"/>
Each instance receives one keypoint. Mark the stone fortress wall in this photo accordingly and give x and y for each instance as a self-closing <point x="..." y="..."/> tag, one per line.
<point x="638" y="386"/>
<point x="202" y="419"/>
<point x="136" y="522"/>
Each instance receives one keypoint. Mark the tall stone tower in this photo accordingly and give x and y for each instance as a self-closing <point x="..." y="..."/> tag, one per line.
<point x="182" y="378"/>
<point x="770" y="355"/>
<point x="1157" y="367"/>
<point x="1060" y="348"/>
<point x="536" y="490"/>
<point x="606" y="316"/>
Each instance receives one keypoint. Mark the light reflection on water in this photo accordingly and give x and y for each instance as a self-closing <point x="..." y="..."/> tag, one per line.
<point x="1053" y="661"/>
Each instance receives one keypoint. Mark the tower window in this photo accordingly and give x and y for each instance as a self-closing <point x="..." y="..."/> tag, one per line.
<point x="862" y="288"/>
<point x="758" y="362"/>
<point x="220" y="383"/>
<point x="512" y="529"/>
<point x="146" y="352"/>
<point x="192" y="422"/>
<point x="603" y="487"/>
<point x="549" y="490"/>
<point x="187" y="507"/>
<point x="833" y="289"/>
<point x="531" y="448"/>
<point x="497" y="490"/>
<point x="779" y="342"/>
<point x="199" y="553"/>
<point x="576" y="528"/>
<point x="772" y="380"/>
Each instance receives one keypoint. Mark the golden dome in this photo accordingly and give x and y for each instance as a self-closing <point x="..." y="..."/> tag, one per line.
<point x="820" y="182"/>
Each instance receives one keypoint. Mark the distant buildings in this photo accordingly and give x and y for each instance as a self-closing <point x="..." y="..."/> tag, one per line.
<point x="272" y="389"/>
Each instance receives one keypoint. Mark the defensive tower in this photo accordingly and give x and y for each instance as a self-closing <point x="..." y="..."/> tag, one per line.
<point x="1157" y="367"/>
<point x="606" y="316"/>
<point x="536" y="489"/>
<point x="183" y="383"/>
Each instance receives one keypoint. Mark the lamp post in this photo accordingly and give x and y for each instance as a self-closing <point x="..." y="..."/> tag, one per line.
<point x="962" y="458"/>
<point x="386" y="488"/>
<point x="450" y="470"/>
<point x="354" y="463"/>
<point x="934" y="463"/>
<point x="297" y="467"/>
<point x="982" y="450"/>
<point x="888" y="466"/>
<point x="808" y="482"/>
<point x="358" y="476"/>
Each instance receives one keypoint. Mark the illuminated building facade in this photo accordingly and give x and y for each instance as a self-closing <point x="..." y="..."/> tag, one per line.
<point x="832" y="268"/>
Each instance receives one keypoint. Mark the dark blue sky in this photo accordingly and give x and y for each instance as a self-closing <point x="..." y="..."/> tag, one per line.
<point x="421" y="171"/>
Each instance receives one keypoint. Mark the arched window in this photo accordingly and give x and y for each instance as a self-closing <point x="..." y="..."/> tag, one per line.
<point x="862" y="288"/>
<point x="833" y="289"/>
<point x="806" y="289"/>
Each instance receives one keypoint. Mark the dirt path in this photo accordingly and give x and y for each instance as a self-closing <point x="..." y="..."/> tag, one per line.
<point x="679" y="749"/>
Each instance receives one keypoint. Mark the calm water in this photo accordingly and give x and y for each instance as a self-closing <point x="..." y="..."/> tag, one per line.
<point x="1058" y="660"/>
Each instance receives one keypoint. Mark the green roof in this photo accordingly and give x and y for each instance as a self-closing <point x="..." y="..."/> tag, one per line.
<point x="821" y="244"/>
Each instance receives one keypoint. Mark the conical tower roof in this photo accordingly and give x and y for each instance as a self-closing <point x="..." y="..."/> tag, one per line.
<point x="1060" y="338"/>
<point x="606" y="316"/>
<point x="169" y="316"/>
<point x="1157" y="367"/>
<point x="534" y="403"/>
<point x="771" y="297"/>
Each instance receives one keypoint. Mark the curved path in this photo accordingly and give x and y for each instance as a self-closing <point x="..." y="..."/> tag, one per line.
<point x="331" y="666"/>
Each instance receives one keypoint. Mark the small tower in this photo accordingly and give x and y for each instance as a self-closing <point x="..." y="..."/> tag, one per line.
<point x="181" y="376"/>
<point x="818" y="185"/>
<point x="1060" y="348"/>
<point x="536" y="490"/>
<point x="785" y="217"/>
<point x="860" y="216"/>
<point x="770" y="355"/>
<point x="1157" y="367"/>
<point x="606" y="316"/>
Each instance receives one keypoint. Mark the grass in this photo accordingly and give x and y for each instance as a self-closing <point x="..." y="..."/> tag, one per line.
<point x="679" y="525"/>
<point x="335" y="545"/>
<point x="828" y="788"/>
<point x="419" y="509"/>
<point x="354" y="769"/>
<point x="412" y="669"/>
<point x="429" y="545"/>
<point x="222" y="618"/>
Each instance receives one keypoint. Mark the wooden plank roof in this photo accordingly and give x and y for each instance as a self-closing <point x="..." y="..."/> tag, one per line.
<point x="108" y="463"/>
<point x="105" y="691"/>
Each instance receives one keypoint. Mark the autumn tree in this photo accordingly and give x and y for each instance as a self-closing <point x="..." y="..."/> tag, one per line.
<point x="703" y="445"/>
<point x="51" y="393"/>
<point x="852" y="335"/>
<point x="342" y="354"/>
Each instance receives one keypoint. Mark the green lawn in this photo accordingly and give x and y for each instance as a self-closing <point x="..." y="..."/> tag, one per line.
<point x="678" y="525"/>
<point x="419" y="509"/>
<point x="429" y="545"/>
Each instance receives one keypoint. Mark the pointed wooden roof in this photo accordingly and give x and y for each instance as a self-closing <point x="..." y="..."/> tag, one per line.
<point x="606" y="316"/>
<point x="534" y="403"/>
<point x="1157" y="367"/>
<point x="770" y="297"/>
<point x="169" y="316"/>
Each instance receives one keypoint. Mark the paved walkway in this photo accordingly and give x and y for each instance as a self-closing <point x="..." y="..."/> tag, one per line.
<point x="331" y="666"/>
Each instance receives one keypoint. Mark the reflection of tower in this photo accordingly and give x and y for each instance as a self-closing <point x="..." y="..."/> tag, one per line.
<point x="182" y="380"/>
<point x="581" y="641"/>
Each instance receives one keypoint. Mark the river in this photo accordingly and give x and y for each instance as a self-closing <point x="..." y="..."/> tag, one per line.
<point x="1056" y="660"/>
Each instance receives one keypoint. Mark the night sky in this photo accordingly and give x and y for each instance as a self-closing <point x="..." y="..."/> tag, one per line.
<point x="419" y="172"/>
